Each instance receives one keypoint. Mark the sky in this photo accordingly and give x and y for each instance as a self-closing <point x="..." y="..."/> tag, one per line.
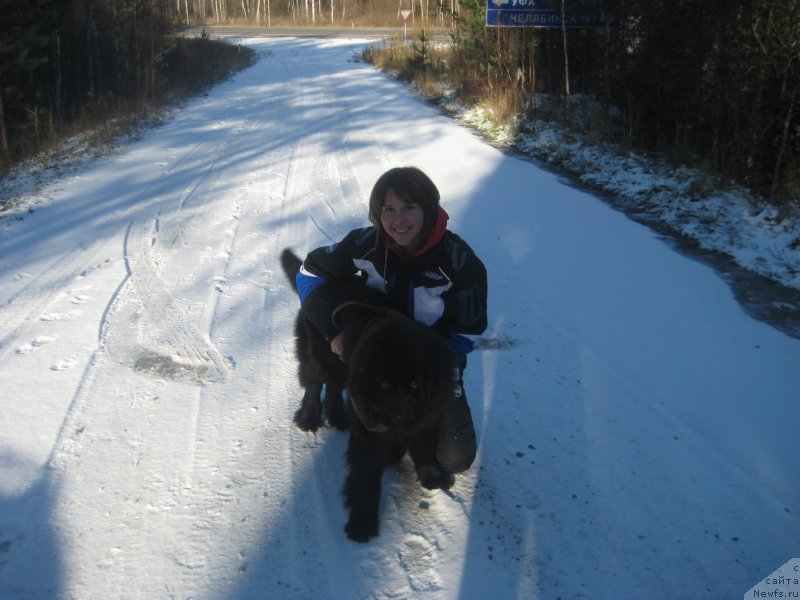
<point x="638" y="429"/>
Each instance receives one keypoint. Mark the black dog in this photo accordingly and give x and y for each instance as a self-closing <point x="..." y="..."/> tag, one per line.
<point x="318" y="366"/>
<point x="399" y="375"/>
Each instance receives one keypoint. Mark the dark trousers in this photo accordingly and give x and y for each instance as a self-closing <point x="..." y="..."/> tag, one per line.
<point x="456" y="444"/>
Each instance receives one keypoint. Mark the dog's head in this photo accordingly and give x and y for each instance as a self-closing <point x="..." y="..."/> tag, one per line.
<point x="400" y="375"/>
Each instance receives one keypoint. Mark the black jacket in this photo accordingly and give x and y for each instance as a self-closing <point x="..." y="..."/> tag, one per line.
<point x="444" y="288"/>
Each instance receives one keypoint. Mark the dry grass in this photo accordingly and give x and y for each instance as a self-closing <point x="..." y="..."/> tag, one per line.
<point x="427" y="66"/>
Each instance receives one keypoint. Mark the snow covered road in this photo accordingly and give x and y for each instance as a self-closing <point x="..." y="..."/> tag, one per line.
<point x="638" y="432"/>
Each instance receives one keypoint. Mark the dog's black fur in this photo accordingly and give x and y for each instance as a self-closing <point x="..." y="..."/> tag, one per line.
<point x="399" y="375"/>
<point x="318" y="366"/>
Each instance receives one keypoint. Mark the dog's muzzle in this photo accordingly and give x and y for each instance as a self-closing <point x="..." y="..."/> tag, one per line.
<point x="368" y="424"/>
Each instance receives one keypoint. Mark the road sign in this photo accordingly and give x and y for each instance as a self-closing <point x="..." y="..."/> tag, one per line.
<point x="544" y="13"/>
<point x="405" y="13"/>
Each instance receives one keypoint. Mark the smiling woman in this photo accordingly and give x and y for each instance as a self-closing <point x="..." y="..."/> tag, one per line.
<point x="425" y="271"/>
<point x="406" y="204"/>
<point x="402" y="221"/>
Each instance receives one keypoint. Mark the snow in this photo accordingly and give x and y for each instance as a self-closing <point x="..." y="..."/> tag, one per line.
<point x="638" y="429"/>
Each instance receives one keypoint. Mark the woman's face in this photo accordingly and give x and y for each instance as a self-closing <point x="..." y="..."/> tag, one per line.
<point x="402" y="222"/>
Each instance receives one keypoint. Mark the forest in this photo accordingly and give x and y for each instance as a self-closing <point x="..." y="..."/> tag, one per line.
<point x="713" y="84"/>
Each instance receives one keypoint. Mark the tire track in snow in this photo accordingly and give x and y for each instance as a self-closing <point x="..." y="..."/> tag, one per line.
<point x="166" y="343"/>
<point x="322" y="178"/>
<point x="147" y="328"/>
<point x="287" y="450"/>
<point x="194" y="356"/>
<point x="30" y="302"/>
<point x="346" y="195"/>
<point x="232" y="462"/>
<point x="290" y="463"/>
<point x="18" y="308"/>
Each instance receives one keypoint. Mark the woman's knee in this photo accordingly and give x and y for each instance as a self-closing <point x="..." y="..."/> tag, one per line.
<point x="456" y="455"/>
<point x="456" y="446"/>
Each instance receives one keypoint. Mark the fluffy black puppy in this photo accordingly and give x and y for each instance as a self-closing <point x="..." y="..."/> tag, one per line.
<point x="318" y="366"/>
<point x="399" y="375"/>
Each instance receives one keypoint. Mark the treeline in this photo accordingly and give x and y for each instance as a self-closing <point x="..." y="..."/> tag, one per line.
<point x="714" y="83"/>
<point x="70" y="64"/>
<point x="368" y="13"/>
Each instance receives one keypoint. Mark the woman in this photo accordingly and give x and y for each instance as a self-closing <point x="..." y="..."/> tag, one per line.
<point x="426" y="271"/>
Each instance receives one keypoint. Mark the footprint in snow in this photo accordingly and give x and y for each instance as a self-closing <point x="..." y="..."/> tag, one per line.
<point x="220" y="283"/>
<point x="417" y="555"/>
<point x="54" y="316"/>
<point x="63" y="365"/>
<point x="95" y="267"/>
<point x="35" y="344"/>
<point x="79" y="299"/>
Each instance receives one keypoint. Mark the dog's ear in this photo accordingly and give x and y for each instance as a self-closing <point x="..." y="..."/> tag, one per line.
<point x="360" y="367"/>
<point x="363" y="382"/>
<point x="353" y="339"/>
<point x="352" y="318"/>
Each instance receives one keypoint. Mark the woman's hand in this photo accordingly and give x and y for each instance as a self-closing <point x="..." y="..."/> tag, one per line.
<point x="336" y="345"/>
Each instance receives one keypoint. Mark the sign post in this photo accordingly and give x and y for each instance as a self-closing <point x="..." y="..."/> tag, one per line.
<point x="405" y="13"/>
<point x="545" y="13"/>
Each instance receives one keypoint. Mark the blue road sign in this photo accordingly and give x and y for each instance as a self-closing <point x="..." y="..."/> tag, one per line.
<point x="544" y="13"/>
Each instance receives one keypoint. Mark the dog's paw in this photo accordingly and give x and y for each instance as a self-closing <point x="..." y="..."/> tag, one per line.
<point x="310" y="424"/>
<point x="361" y="530"/>
<point x="432" y="477"/>
<point x="443" y="482"/>
<point x="340" y="422"/>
